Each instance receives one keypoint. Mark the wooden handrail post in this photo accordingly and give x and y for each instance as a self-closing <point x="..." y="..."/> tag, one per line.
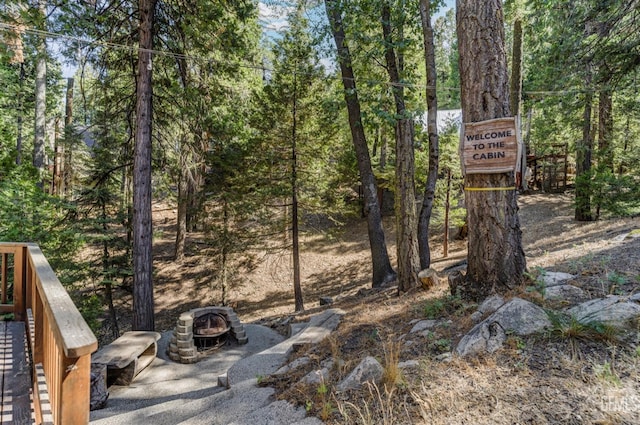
<point x="60" y="339"/>
<point x="19" y="284"/>
<point x="74" y="391"/>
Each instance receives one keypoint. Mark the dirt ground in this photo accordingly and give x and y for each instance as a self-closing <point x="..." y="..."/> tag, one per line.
<point x="538" y="380"/>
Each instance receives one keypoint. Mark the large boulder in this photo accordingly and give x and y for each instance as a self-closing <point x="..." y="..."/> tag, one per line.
<point x="491" y="304"/>
<point x="485" y="337"/>
<point x="517" y="316"/>
<point x="550" y="279"/>
<point x="369" y="370"/>
<point x="613" y="310"/>
<point x="569" y="293"/>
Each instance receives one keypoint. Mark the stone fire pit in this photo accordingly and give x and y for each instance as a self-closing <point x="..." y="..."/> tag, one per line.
<point x="183" y="348"/>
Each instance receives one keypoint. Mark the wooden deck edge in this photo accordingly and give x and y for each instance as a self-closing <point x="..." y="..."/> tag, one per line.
<point x="41" y="403"/>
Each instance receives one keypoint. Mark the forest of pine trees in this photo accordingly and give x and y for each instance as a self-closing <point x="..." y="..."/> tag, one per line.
<point x="248" y="124"/>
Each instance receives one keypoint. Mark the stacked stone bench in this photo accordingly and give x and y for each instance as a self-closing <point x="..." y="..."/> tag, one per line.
<point x="127" y="356"/>
<point x="182" y="347"/>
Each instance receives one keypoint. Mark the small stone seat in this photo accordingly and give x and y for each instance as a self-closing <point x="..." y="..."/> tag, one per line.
<point x="127" y="356"/>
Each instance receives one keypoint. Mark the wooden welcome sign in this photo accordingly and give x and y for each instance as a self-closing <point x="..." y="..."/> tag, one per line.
<point x="491" y="146"/>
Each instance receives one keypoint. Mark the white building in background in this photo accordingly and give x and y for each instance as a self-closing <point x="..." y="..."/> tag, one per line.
<point x="447" y="119"/>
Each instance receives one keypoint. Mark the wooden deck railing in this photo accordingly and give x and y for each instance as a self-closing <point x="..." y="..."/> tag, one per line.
<point x="60" y="340"/>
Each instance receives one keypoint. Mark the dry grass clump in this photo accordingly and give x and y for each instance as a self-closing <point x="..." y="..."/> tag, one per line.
<point x="392" y="373"/>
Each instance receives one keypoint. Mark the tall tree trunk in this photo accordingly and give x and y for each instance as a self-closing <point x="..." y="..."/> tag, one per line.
<point x="57" y="158"/>
<point x="447" y="209"/>
<point x="383" y="273"/>
<point x="20" y="119"/>
<point x="226" y="252"/>
<point x="16" y="47"/>
<point x="181" y="221"/>
<point x="583" y="159"/>
<point x="383" y="149"/>
<point x="432" y="130"/>
<point x="297" y="288"/>
<point x="40" y="94"/>
<point x="406" y="220"/>
<point x="605" y="129"/>
<point x="143" y="302"/>
<point x="108" y="287"/>
<point x="67" y="148"/>
<point x="496" y="260"/>
<point x="64" y="149"/>
<point x="516" y="95"/>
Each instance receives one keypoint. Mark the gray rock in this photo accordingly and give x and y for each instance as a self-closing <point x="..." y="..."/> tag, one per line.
<point x="517" y="316"/>
<point x="635" y="297"/>
<point x="409" y="364"/>
<point x="369" y="370"/>
<point x="554" y="278"/>
<point x="423" y="325"/>
<point x="484" y="337"/>
<point x="301" y="361"/>
<point x="316" y="377"/>
<point x="326" y="300"/>
<point x="476" y="317"/>
<point x="564" y="292"/>
<point x="521" y="317"/>
<point x="612" y="310"/>
<point x="491" y="304"/>
<point x="444" y="357"/>
<point x="621" y="237"/>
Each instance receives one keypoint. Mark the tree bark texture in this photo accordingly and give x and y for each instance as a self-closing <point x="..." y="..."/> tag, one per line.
<point x="496" y="260"/>
<point x="405" y="207"/>
<point x="406" y="214"/>
<point x="516" y="68"/>
<point x="516" y="95"/>
<point x="41" y="96"/>
<point x="583" y="159"/>
<point x="143" y="302"/>
<point x="432" y="131"/>
<point x="67" y="149"/>
<point x="295" y="231"/>
<point x="605" y="129"/>
<point x="181" y="221"/>
<point x="383" y="273"/>
<point x="20" y="118"/>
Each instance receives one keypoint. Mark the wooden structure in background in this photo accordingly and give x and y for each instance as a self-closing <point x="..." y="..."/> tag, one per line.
<point x="551" y="172"/>
<point x="58" y="342"/>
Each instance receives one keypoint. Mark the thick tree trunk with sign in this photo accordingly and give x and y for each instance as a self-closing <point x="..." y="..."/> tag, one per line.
<point x="496" y="260"/>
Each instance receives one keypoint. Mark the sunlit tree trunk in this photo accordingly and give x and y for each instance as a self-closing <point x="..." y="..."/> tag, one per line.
<point x="406" y="217"/>
<point x="383" y="273"/>
<point x="496" y="260"/>
<point x="432" y="130"/>
<point x="516" y="94"/>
